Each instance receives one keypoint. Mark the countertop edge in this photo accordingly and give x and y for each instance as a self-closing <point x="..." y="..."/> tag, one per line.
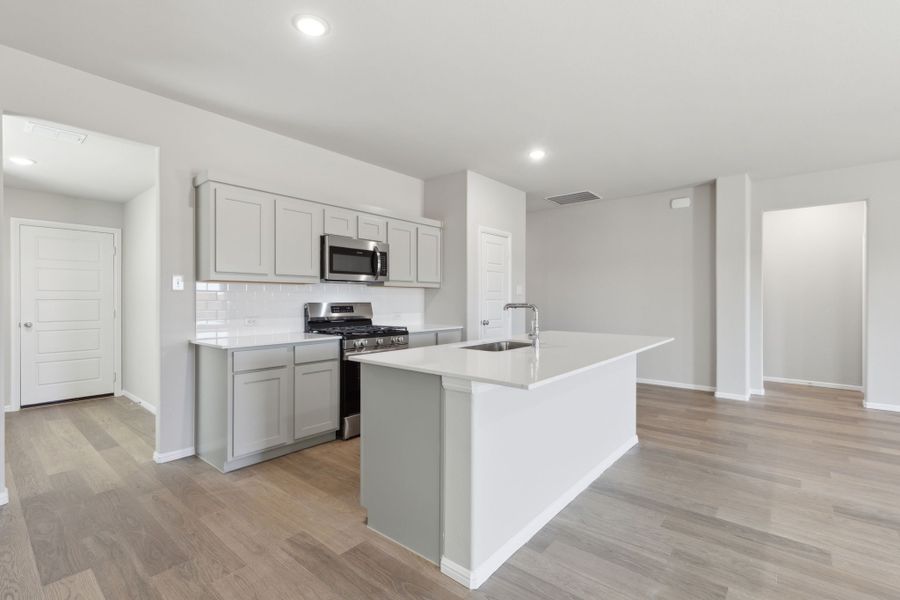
<point x="365" y="359"/>
<point x="219" y="346"/>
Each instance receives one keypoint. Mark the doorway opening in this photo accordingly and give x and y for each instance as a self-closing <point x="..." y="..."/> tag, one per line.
<point x="81" y="216"/>
<point x="814" y="297"/>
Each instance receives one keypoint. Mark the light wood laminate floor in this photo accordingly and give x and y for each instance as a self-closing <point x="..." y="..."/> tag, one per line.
<point x="794" y="495"/>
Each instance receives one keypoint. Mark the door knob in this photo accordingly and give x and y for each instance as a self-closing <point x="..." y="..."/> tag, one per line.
<point x="28" y="324"/>
<point x="485" y="322"/>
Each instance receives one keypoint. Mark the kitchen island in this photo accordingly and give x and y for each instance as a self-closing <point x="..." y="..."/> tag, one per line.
<point x="467" y="453"/>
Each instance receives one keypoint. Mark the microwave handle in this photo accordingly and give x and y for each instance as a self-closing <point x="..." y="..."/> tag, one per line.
<point x="377" y="263"/>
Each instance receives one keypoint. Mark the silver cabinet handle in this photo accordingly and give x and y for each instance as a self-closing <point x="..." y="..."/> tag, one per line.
<point x="28" y="324"/>
<point x="485" y="322"/>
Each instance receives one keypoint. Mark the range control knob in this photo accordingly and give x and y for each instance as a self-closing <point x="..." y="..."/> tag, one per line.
<point x="358" y="344"/>
<point x="379" y="342"/>
<point x="363" y="343"/>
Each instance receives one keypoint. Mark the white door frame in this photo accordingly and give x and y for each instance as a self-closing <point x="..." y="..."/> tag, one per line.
<point x="14" y="280"/>
<point x="506" y="234"/>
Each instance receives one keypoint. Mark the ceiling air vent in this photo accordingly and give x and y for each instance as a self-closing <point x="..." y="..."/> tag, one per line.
<point x="55" y="133"/>
<point x="574" y="198"/>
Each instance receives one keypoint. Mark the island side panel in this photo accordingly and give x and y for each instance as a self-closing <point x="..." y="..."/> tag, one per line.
<point x="400" y="456"/>
<point x="531" y="453"/>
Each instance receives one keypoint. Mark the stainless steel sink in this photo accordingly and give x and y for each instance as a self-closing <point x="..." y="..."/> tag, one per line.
<point x="499" y="346"/>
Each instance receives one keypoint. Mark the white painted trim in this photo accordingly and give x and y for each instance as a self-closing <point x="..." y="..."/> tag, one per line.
<point x="729" y="396"/>
<point x="140" y="401"/>
<point x="474" y="578"/>
<point x="877" y="406"/>
<point x="509" y="267"/>
<point x="164" y="457"/>
<point x="15" y="223"/>
<point x="4" y="497"/>
<point x="457" y="573"/>
<point x="676" y="384"/>
<point x="11" y="408"/>
<point x="821" y="384"/>
<point x="761" y="392"/>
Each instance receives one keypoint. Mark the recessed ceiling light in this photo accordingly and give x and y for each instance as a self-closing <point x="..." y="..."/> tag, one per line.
<point x="311" y="25"/>
<point x="537" y="154"/>
<point x="21" y="161"/>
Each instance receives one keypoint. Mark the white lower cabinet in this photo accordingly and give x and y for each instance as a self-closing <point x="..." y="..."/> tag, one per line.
<point x="316" y="398"/>
<point x="257" y="404"/>
<point x="262" y="410"/>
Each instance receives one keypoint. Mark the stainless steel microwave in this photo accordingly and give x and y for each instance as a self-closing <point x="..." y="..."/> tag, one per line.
<point x="348" y="259"/>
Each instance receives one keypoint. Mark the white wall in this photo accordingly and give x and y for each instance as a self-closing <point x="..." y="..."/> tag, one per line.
<point x="5" y="359"/>
<point x="140" y="298"/>
<point x="44" y="206"/>
<point x="465" y="202"/>
<point x="495" y="205"/>
<point x="632" y="265"/>
<point x="879" y="185"/>
<point x="733" y="209"/>
<point x="189" y="141"/>
<point x="813" y="293"/>
<point x="446" y="200"/>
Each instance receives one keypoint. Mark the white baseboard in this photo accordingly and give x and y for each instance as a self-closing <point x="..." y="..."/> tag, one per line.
<point x="730" y="396"/>
<point x="4" y="497"/>
<point x="473" y="579"/>
<point x="10" y="408"/>
<point x="876" y="406"/>
<point x="164" y="457"/>
<point x="457" y="573"/>
<point x="821" y="384"/>
<point x="677" y="384"/>
<point x="138" y="400"/>
<point x="759" y="392"/>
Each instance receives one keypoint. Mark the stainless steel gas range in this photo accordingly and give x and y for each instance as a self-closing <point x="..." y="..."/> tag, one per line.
<point x="352" y="321"/>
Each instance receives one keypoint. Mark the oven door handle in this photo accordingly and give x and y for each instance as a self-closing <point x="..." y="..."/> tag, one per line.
<point x="377" y="263"/>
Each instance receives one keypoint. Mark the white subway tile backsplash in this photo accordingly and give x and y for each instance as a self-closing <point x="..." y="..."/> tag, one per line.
<point x="224" y="308"/>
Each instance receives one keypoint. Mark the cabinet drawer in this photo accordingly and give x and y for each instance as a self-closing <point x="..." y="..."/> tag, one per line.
<point x="417" y="340"/>
<point x="266" y="358"/>
<point x="304" y="353"/>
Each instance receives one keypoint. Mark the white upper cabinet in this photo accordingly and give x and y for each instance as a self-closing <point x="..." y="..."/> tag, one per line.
<point x="298" y="230"/>
<point x="428" y="254"/>
<point x="244" y="234"/>
<point x="372" y="228"/>
<point x="244" y="222"/>
<point x="402" y="251"/>
<point x="340" y="221"/>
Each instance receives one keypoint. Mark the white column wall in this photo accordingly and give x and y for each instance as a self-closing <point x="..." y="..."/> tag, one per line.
<point x="733" y="287"/>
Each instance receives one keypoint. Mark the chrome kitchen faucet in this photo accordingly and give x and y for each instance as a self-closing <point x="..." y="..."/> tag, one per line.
<point x="535" y="324"/>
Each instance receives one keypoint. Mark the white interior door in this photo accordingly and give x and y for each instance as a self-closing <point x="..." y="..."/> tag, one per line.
<point x="494" y="284"/>
<point x="66" y="313"/>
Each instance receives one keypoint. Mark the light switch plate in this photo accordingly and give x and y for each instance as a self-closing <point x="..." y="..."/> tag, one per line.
<point x="178" y="283"/>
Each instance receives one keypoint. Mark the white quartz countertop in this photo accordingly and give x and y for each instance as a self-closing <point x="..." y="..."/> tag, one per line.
<point x="431" y="327"/>
<point x="257" y="341"/>
<point x="560" y="354"/>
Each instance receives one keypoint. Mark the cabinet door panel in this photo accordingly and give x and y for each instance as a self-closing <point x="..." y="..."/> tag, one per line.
<point x="261" y="417"/>
<point x="316" y="398"/>
<point x="402" y="257"/>
<point x="372" y="228"/>
<point x="417" y="340"/>
<point x="298" y="231"/>
<point x="428" y="254"/>
<point x="339" y="221"/>
<point x="243" y="232"/>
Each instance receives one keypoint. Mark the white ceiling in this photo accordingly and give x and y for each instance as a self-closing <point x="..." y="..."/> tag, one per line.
<point x="627" y="97"/>
<point x="100" y="168"/>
